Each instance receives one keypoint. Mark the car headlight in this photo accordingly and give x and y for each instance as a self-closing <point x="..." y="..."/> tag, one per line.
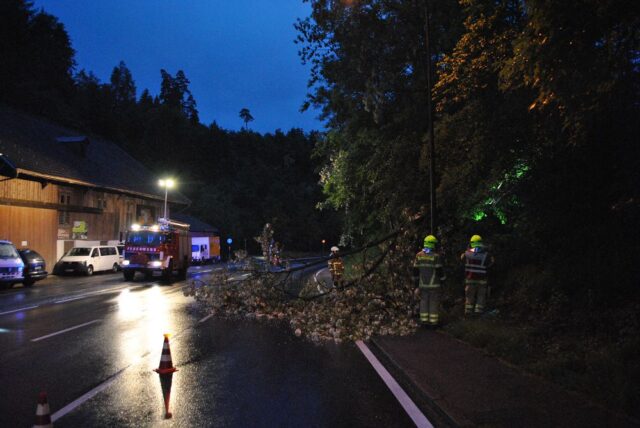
<point x="156" y="263"/>
<point x="125" y="262"/>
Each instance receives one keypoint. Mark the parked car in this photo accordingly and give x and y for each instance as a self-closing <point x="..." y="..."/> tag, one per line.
<point x="88" y="260"/>
<point x="11" y="265"/>
<point x="35" y="267"/>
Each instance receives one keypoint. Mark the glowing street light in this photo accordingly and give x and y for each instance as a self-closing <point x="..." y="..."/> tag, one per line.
<point x="167" y="183"/>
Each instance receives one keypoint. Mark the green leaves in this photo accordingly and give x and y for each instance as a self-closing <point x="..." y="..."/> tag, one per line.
<point x="536" y="117"/>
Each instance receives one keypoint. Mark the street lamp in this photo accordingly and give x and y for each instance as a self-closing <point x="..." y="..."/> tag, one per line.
<point x="324" y="241"/>
<point x="167" y="183"/>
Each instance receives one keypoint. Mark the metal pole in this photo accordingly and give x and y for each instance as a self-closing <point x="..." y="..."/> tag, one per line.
<point x="166" y="190"/>
<point x="432" y="151"/>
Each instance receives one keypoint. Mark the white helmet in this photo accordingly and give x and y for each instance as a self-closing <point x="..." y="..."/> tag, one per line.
<point x="334" y="249"/>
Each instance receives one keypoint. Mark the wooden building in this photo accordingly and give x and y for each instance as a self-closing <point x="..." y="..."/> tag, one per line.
<point x="59" y="188"/>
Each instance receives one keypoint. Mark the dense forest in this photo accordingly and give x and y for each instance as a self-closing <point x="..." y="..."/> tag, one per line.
<point x="535" y="104"/>
<point x="237" y="181"/>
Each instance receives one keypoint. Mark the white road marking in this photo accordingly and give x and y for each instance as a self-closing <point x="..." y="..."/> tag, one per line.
<point x="407" y="404"/>
<point x="315" y="277"/>
<point x="64" y="331"/>
<point x="86" y="397"/>
<point x="175" y="290"/>
<point x="85" y="295"/>
<point x="205" y="318"/>
<point x="71" y="299"/>
<point x="18" y="310"/>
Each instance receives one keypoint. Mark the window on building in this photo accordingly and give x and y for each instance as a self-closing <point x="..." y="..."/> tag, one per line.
<point x="63" y="215"/>
<point x="65" y="198"/>
<point x="101" y="201"/>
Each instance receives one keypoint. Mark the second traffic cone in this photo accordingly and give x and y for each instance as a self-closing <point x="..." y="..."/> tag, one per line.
<point x="166" y="366"/>
<point x="43" y="414"/>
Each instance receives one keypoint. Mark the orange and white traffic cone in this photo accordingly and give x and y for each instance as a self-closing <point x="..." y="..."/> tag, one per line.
<point x="43" y="414"/>
<point x="166" y="366"/>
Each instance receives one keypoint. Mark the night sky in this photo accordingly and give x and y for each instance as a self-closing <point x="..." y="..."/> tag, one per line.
<point x="236" y="53"/>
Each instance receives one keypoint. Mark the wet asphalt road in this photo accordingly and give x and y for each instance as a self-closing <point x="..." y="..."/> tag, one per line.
<point x="230" y="373"/>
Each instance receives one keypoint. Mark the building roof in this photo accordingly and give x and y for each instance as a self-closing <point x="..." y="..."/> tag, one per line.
<point x="43" y="150"/>
<point x="195" y="225"/>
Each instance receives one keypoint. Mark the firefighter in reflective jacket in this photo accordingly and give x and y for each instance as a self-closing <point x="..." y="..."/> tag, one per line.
<point x="428" y="265"/>
<point x="336" y="267"/>
<point x="476" y="262"/>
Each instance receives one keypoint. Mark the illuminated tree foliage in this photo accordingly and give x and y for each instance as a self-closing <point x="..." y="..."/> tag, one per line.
<point x="537" y="105"/>
<point x="535" y="133"/>
<point x="368" y="76"/>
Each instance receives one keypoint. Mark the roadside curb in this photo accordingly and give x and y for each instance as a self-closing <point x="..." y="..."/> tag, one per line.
<point x="436" y="406"/>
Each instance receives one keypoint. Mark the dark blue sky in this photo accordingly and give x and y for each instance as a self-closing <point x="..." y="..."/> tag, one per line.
<point x="236" y="53"/>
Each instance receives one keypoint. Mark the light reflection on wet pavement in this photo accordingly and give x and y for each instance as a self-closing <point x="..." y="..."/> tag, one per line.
<point x="231" y="373"/>
<point x="236" y="373"/>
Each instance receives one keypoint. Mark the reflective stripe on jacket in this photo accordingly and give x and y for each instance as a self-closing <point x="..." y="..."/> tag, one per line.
<point x="336" y="266"/>
<point x="430" y="267"/>
<point x="476" y="261"/>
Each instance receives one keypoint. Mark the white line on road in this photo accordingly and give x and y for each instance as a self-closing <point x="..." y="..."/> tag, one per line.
<point x="18" y="310"/>
<point x="71" y="299"/>
<point x="407" y="404"/>
<point x="315" y="277"/>
<point x="64" y="331"/>
<point x="86" y="397"/>
<point x="175" y="290"/>
<point x="85" y="295"/>
<point x="205" y="318"/>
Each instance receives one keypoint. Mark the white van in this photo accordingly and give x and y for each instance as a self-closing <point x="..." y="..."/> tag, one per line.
<point x="88" y="260"/>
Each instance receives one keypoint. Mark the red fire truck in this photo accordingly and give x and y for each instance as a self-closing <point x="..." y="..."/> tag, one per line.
<point x="162" y="247"/>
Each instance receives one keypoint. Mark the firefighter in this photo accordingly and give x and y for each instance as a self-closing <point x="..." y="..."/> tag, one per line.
<point x="336" y="266"/>
<point x="276" y="254"/>
<point x="429" y="274"/>
<point x="476" y="262"/>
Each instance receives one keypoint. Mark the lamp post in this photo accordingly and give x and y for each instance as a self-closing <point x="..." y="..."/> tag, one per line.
<point x="167" y="183"/>
<point x="324" y="241"/>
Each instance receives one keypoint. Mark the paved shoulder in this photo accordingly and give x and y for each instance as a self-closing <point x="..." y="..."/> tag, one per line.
<point x="474" y="389"/>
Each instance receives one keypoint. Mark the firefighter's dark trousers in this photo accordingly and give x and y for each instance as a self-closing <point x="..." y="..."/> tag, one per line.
<point x="430" y="305"/>
<point x="475" y="296"/>
<point x="337" y="279"/>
